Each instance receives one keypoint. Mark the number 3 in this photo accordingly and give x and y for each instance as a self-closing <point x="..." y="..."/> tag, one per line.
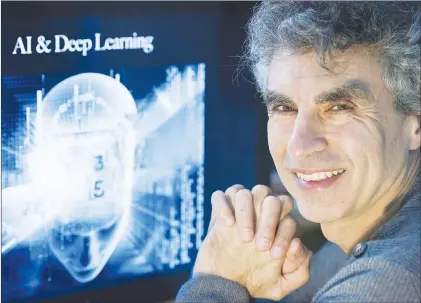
<point x="100" y="163"/>
<point x="98" y="191"/>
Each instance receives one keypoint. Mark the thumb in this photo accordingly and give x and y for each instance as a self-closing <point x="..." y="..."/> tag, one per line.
<point x="296" y="267"/>
<point x="295" y="271"/>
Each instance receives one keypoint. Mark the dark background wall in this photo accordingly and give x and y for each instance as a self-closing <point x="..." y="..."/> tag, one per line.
<point x="246" y="135"/>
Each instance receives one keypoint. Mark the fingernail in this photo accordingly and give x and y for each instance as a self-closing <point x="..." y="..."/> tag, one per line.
<point x="263" y="244"/>
<point x="247" y="234"/>
<point x="228" y="219"/>
<point x="277" y="252"/>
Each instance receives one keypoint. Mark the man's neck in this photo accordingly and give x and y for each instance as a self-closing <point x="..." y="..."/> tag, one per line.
<point x="349" y="231"/>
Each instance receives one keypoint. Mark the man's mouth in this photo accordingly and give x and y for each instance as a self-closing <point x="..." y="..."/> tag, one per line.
<point x="320" y="179"/>
<point x="319" y="176"/>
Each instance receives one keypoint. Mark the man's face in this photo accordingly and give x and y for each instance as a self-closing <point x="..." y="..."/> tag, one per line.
<point x="344" y="124"/>
<point x="84" y="254"/>
<point x="94" y="204"/>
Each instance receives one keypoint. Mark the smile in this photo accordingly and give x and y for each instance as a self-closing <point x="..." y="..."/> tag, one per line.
<point x="319" y="176"/>
<point x="317" y="180"/>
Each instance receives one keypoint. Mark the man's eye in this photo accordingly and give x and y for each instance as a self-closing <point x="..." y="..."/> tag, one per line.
<point x="341" y="107"/>
<point x="284" y="108"/>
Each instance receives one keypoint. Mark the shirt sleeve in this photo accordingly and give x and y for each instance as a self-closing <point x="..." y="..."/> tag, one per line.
<point x="209" y="288"/>
<point x="372" y="280"/>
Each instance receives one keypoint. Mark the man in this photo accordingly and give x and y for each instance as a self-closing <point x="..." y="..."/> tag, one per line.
<point x="341" y="82"/>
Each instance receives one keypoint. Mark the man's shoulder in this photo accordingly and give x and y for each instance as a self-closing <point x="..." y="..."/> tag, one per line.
<point x="374" y="279"/>
<point x="400" y="239"/>
<point x="403" y="250"/>
<point x="399" y="249"/>
<point x="386" y="268"/>
<point x="388" y="256"/>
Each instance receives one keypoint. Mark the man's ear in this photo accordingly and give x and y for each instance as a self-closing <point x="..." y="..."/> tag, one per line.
<point x="415" y="132"/>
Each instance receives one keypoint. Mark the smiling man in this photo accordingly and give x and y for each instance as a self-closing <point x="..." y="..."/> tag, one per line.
<point x="341" y="82"/>
<point x="340" y="146"/>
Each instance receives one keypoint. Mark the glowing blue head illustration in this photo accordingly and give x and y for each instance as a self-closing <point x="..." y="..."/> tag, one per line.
<point x="83" y="166"/>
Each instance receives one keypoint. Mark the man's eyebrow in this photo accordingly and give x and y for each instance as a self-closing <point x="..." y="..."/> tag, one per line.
<point x="272" y="98"/>
<point x="350" y="90"/>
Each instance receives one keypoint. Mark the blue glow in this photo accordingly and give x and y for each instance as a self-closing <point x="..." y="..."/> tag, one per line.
<point x="99" y="181"/>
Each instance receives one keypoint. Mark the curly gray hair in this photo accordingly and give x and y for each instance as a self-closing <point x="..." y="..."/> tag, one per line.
<point x="392" y="28"/>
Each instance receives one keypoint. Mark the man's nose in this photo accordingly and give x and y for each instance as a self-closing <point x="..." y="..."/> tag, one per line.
<point x="307" y="137"/>
<point x="89" y="251"/>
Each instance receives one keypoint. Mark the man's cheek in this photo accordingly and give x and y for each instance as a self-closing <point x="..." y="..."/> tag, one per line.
<point x="277" y="145"/>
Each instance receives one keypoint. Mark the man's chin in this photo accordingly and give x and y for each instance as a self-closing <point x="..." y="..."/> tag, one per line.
<point x="320" y="214"/>
<point x="84" y="275"/>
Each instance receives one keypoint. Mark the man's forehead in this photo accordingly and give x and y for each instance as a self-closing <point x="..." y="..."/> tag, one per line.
<point x="287" y="73"/>
<point x="351" y="89"/>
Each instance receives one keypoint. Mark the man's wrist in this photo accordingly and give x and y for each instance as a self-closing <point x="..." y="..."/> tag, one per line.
<point x="212" y="288"/>
<point x="214" y="273"/>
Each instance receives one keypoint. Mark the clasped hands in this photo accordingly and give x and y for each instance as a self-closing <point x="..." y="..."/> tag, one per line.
<point x="251" y="241"/>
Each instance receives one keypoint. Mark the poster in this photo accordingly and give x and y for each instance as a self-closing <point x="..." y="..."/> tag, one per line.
<point x="102" y="175"/>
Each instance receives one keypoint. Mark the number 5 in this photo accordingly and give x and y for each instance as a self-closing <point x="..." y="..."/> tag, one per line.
<point x="98" y="191"/>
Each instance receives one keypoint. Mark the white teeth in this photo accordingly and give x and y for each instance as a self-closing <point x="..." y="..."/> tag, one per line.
<point x="320" y="176"/>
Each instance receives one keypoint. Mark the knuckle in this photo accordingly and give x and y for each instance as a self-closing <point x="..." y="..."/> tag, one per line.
<point x="237" y="186"/>
<point x="265" y="237"/>
<point x="267" y="233"/>
<point x="287" y="203"/>
<point x="243" y="193"/>
<point x="245" y="224"/>
<point x="232" y="190"/>
<point x="271" y="209"/>
<point x="272" y="200"/>
<point x="243" y="201"/>
<point x="273" y="206"/>
<point x="261" y="189"/>
<point x="216" y="195"/>
<point x="282" y="242"/>
<point x="290" y="222"/>
<point x="284" y="198"/>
